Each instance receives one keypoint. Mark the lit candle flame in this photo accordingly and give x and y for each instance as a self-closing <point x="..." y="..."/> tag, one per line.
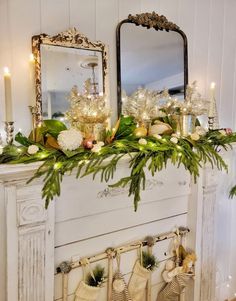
<point x="6" y="71"/>
<point x="213" y="85"/>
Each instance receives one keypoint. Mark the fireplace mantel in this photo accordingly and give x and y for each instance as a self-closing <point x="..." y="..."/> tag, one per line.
<point x="28" y="230"/>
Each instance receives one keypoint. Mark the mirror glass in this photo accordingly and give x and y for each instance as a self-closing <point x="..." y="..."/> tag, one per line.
<point x="61" y="69"/>
<point x="151" y="59"/>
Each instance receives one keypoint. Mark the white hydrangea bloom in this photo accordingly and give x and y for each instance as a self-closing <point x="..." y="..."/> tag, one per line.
<point x="70" y="139"/>
<point x="33" y="149"/>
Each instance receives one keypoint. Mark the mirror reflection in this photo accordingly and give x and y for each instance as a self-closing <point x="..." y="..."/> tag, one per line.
<point x="151" y="59"/>
<point x="62" y="68"/>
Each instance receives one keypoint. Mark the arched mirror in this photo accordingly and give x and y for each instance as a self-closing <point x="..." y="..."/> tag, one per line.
<point x="151" y="54"/>
<point x="63" y="61"/>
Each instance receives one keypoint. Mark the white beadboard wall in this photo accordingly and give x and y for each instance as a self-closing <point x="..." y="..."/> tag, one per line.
<point x="209" y="25"/>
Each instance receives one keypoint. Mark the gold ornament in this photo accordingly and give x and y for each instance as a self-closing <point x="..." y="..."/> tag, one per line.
<point x="140" y="132"/>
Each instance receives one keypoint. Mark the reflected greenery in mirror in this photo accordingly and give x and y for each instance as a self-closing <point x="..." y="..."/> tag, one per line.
<point x="62" y="62"/>
<point x="154" y="59"/>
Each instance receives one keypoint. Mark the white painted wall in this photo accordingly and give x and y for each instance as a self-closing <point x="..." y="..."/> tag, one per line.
<point x="209" y="25"/>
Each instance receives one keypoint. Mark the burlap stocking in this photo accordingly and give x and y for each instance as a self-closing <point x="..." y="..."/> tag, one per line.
<point x="138" y="282"/>
<point x="173" y="289"/>
<point x="85" y="292"/>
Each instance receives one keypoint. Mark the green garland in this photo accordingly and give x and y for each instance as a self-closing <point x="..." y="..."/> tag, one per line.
<point x="153" y="156"/>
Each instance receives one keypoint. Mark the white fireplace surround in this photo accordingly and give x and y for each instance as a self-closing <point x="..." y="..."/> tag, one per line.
<point x="34" y="240"/>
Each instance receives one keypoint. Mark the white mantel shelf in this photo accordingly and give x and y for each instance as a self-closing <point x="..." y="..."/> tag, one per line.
<point x="28" y="230"/>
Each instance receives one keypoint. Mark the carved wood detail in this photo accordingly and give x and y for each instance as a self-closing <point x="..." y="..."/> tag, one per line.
<point x="31" y="212"/>
<point x="31" y="263"/>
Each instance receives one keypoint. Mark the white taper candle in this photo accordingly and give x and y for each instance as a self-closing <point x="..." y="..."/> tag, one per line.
<point x="8" y="98"/>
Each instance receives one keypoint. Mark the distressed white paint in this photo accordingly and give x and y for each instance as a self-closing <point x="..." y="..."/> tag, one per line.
<point x="84" y="220"/>
<point x="209" y="25"/>
<point x="29" y="238"/>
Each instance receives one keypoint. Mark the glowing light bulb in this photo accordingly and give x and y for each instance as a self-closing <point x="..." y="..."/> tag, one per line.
<point x="57" y="165"/>
<point x="227" y="285"/>
<point x="230" y="277"/>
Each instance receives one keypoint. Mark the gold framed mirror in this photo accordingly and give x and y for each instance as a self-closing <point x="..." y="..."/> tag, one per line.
<point x="152" y="53"/>
<point x="63" y="61"/>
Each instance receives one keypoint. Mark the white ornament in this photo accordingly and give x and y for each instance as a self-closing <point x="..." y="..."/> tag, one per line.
<point x="200" y="130"/>
<point x="195" y="136"/>
<point x="174" y="140"/>
<point x="97" y="147"/>
<point x="33" y="149"/>
<point x="223" y="132"/>
<point x="177" y="135"/>
<point x="70" y="139"/>
<point x="142" y="141"/>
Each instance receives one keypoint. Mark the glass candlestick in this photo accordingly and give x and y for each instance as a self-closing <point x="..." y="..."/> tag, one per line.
<point x="9" y="128"/>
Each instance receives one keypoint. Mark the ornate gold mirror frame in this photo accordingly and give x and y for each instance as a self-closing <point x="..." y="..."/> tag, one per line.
<point x="157" y="22"/>
<point x="70" y="39"/>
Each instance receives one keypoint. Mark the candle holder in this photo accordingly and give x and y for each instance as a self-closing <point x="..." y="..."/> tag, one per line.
<point x="9" y="128"/>
<point x="33" y="112"/>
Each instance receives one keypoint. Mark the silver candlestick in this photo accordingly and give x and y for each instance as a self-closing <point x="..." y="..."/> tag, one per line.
<point x="33" y="112"/>
<point x="9" y="128"/>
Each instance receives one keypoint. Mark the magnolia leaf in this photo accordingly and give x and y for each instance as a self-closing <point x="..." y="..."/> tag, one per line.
<point x="70" y="154"/>
<point x="52" y="142"/>
<point x="20" y="138"/>
<point x="126" y="127"/>
<point x="54" y="127"/>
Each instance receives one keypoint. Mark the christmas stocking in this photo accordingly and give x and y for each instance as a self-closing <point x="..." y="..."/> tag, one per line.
<point x="173" y="289"/>
<point x="85" y="292"/>
<point x="119" y="288"/>
<point x="138" y="282"/>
